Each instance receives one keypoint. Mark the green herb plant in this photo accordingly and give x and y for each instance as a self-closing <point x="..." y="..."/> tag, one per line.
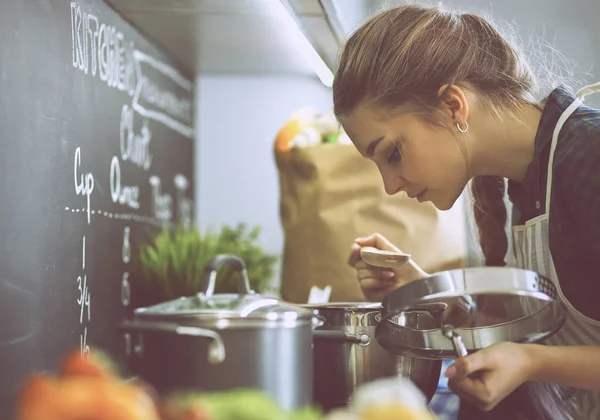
<point x="172" y="263"/>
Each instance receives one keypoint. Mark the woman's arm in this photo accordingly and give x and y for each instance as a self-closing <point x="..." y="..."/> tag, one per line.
<point x="576" y="366"/>
<point x="489" y="375"/>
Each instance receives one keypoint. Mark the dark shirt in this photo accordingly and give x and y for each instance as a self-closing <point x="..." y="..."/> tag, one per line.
<point x="574" y="230"/>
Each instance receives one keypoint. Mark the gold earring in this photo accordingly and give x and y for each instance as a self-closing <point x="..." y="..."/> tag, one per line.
<point x="462" y="130"/>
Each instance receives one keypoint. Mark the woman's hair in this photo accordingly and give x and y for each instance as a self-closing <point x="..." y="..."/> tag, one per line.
<point x="400" y="58"/>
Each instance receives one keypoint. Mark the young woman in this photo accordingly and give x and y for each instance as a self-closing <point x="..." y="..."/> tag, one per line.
<point x="437" y="99"/>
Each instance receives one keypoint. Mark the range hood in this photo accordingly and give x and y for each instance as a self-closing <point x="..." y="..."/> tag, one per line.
<point x="320" y="23"/>
<point x="241" y="36"/>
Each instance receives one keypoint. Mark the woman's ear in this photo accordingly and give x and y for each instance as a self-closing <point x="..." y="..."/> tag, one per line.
<point x="454" y="104"/>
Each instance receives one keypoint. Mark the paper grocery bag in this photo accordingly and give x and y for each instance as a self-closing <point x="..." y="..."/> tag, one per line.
<point x="329" y="196"/>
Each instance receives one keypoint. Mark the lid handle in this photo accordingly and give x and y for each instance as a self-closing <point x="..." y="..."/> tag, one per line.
<point x="235" y="264"/>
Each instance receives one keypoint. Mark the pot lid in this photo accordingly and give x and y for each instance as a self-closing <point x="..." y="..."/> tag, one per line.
<point x="454" y="312"/>
<point x="224" y="308"/>
<point x="228" y="306"/>
<point x="344" y="306"/>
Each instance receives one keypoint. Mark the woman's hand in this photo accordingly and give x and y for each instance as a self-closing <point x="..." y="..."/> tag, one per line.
<point x="376" y="282"/>
<point x="499" y="370"/>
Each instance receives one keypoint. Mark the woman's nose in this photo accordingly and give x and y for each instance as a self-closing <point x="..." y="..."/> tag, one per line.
<point x="392" y="183"/>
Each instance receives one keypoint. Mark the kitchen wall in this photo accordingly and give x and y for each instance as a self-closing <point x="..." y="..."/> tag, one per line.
<point x="238" y="118"/>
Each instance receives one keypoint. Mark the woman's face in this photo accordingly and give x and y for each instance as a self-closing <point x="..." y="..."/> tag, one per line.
<point x="426" y="161"/>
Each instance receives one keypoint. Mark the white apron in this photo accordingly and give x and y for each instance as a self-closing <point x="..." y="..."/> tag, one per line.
<point x="532" y="252"/>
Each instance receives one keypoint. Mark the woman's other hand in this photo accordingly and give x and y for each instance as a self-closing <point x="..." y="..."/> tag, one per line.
<point x="489" y="375"/>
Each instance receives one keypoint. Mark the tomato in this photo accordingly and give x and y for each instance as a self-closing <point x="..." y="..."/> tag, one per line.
<point x="96" y="364"/>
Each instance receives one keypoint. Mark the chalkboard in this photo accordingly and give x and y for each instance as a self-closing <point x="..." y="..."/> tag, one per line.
<point x="97" y="134"/>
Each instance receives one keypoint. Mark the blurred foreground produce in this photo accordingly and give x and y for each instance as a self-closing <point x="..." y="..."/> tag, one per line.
<point x="240" y="404"/>
<point x="386" y="399"/>
<point x="91" y="388"/>
<point x="86" y="388"/>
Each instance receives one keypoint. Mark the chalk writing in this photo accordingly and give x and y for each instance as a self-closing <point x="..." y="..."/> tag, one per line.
<point x="118" y="216"/>
<point x="126" y="195"/>
<point x="84" y="185"/>
<point x="134" y="147"/>
<point x="154" y="93"/>
<point x="83" y="300"/>
<point x="162" y="204"/>
<point x="126" y="245"/>
<point x="151" y="101"/>
<point x="184" y="204"/>
<point x="126" y="254"/>
<point x="125" y="290"/>
<point x="101" y="49"/>
<point x="83" y="345"/>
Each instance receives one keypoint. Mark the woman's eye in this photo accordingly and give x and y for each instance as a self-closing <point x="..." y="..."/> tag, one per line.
<point x="395" y="155"/>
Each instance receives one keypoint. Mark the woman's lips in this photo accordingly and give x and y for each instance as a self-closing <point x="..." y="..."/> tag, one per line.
<point x="416" y="195"/>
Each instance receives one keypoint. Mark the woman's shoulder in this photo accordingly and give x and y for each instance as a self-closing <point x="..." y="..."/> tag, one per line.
<point x="584" y="124"/>
<point x="576" y="167"/>
<point x="576" y="170"/>
<point x="578" y="148"/>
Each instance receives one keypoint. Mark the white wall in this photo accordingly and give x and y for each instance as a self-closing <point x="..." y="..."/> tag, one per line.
<point x="238" y="118"/>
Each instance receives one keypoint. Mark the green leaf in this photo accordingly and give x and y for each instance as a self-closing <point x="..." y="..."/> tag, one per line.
<point x="172" y="262"/>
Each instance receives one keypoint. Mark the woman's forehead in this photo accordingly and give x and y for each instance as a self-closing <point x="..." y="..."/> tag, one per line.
<point x="362" y="126"/>
<point x="367" y="120"/>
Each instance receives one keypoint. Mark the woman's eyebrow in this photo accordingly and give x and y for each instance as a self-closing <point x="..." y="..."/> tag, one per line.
<point x="371" y="147"/>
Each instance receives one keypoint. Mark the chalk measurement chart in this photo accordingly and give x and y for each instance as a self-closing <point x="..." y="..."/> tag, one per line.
<point x="126" y="187"/>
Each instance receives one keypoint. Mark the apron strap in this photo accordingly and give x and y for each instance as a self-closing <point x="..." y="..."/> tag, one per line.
<point x="581" y="94"/>
<point x="586" y="90"/>
<point x="559" y="125"/>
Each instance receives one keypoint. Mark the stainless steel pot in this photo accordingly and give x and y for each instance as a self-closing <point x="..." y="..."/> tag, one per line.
<point x="347" y="355"/>
<point x="479" y="306"/>
<point x="225" y="341"/>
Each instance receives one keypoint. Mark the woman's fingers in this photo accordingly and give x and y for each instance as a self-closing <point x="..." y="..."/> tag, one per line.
<point x="378" y="241"/>
<point x="354" y="257"/>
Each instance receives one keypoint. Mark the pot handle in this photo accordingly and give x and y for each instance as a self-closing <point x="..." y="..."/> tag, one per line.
<point x="236" y="264"/>
<point x="216" y="348"/>
<point x="362" y="339"/>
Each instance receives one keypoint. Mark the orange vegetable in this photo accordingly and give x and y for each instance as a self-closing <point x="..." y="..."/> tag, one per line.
<point x="287" y="133"/>
<point x="87" y="389"/>
<point x="77" y="398"/>
<point x="96" y="365"/>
